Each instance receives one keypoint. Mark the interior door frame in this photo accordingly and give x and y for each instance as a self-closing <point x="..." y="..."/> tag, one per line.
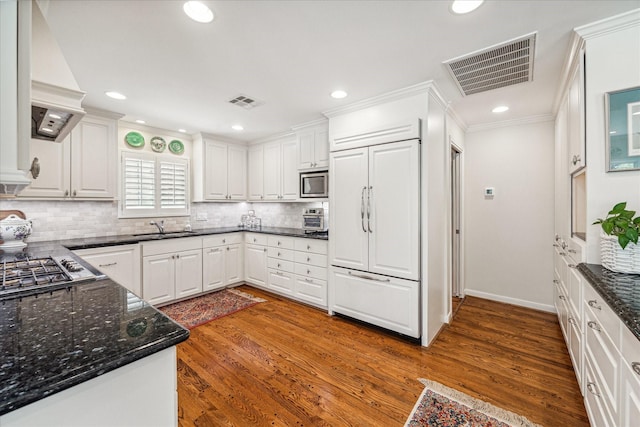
<point x="453" y="147"/>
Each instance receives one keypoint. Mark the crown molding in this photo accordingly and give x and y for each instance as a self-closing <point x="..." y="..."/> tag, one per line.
<point x="312" y="123"/>
<point x="102" y="113"/>
<point x="609" y="25"/>
<point x="576" y="49"/>
<point x="541" y="118"/>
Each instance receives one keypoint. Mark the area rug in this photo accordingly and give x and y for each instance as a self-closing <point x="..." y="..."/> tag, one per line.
<point x="200" y="310"/>
<point x="441" y="406"/>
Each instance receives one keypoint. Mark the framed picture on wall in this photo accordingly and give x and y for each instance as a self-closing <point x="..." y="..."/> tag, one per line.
<point x="623" y="129"/>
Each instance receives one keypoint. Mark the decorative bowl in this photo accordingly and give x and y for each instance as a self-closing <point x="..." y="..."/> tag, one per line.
<point x="13" y="230"/>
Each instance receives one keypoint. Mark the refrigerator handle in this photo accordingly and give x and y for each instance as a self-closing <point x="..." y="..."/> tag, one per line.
<point x="362" y="208"/>
<point x="369" y="209"/>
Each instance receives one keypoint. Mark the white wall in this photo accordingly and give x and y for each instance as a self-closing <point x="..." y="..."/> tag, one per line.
<point x="508" y="238"/>
<point x="612" y="63"/>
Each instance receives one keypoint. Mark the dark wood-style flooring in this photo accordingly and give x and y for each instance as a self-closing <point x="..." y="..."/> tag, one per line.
<point x="281" y="363"/>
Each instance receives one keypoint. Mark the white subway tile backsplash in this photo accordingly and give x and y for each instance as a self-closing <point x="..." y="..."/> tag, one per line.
<point x="58" y="220"/>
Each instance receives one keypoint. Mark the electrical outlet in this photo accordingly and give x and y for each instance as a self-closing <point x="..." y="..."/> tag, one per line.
<point x="201" y="216"/>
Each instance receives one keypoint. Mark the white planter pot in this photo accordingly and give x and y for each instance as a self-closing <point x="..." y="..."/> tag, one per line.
<point x="620" y="260"/>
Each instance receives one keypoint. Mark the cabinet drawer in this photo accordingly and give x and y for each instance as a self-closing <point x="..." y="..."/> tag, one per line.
<point x="311" y="245"/>
<point x="256" y="238"/>
<point x="629" y="346"/>
<point x="171" y="245"/>
<point x="594" y="404"/>
<point x="280" y="281"/>
<point x="311" y="290"/>
<point x="281" y="242"/>
<point x="279" y="264"/>
<point x="311" y="271"/>
<point x="221" y="239"/>
<point x="574" y="295"/>
<point x="286" y="254"/>
<point x="311" y="259"/>
<point x="596" y="308"/>
<point x="576" y="350"/>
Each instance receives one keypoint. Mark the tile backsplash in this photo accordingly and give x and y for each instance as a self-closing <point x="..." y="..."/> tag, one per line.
<point x="59" y="220"/>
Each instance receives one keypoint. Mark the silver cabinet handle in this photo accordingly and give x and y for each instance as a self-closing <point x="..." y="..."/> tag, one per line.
<point x="593" y="325"/>
<point x="555" y="245"/>
<point x="265" y="249"/>
<point x="572" y="320"/>
<point x="227" y="247"/>
<point x="308" y="259"/>
<point x="178" y="256"/>
<point x="308" y="247"/>
<point x="255" y="240"/>
<point x="561" y="297"/>
<point x="592" y="389"/>
<point x="35" y="168"/>
<point x="279" y="254"/>
<point x="556" y="281"/>
<point x="214" y="250"/>
<point x="362" y="208"/>
<point x="224" y="240"/>
<point x="636" y="367"/>
<point x="308" y="271"/>
<point x="572" y="251"/>
<point x="594" y="304"/>
<point x="369" y="210"/>
<point x="279" y="243"/>
<point x="279" y="265"/>
<point x="562" y="253"/>
<point x="66" y="193"/>
<point x="107" y="265"/>
<point x="311" y="281"/>
<point x="571" y="265"/>
<point x="362" y="276"/>
<point x="74" y="193"/>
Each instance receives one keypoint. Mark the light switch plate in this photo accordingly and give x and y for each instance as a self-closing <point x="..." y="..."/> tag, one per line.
<point x="489" y="192"/>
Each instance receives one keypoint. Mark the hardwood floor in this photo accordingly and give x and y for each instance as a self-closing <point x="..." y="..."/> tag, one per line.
<point x="285" y="364"/>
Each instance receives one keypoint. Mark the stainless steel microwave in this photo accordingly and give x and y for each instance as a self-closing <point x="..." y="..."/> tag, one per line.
<point x="314" y="184"/>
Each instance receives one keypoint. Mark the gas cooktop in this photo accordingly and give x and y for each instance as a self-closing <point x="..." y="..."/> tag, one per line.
<point x="39" y="273"/>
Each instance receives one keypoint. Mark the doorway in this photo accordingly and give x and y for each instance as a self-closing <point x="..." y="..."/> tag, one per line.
<point x="456" y="291"/>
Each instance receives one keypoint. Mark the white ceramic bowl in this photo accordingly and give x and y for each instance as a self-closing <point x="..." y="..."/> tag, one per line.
<point x="13" y="231"/>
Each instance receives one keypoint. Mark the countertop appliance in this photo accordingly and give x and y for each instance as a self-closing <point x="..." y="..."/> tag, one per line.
<point x="314" y="185"/>
<point x="314" y="220"/>
<point x="32" y="274"/>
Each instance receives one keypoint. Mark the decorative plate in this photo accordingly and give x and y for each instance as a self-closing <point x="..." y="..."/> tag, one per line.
<point x="176" y="147"/>
<point x="134" y="139"/>
<point x="158" y="144"/>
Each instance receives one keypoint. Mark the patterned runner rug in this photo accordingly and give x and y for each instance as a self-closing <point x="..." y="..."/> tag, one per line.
<point x="441" y="406"/>
<point x="200" y="310"/>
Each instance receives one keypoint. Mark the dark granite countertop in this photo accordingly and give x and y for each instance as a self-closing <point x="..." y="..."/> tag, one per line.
<point x="53" y="340"/>
<point x="620" y="291"/>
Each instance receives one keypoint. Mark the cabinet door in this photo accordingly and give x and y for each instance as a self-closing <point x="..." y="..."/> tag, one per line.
<point x="311" y="290"/>
<point x="120" y="263"/>
<point x="393" y="209"/>
<point x="306" y="150"/>
<point x="93" y="158"/>
<point x="272" y="171"/>
<point x="233" y="264"/>
<point x="575" y="122"/>
<point x="55" y="168"/>
<point x="158" y="278"/>
<point x="348" y="183"/>
<point x="215" y="174"/>
<point x="290" y="176"/>
<point x="237" y="173"/>
<point x="256" y="264"/>
<point x="321" y="148"/>
<point x="256" y="172"/>
<point x="188" y="273"/>
<point x="213" y="268"/>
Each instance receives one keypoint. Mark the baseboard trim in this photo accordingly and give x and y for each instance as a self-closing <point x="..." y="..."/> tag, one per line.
<point x="515" y="301"/>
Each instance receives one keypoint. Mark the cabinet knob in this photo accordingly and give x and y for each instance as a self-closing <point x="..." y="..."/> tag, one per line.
<point x="224" y="240"/>
<point x="279" y="243"/>
<point x="227" y="247"/>
<point x="308" y="259"/>
<point x="74" y="193"/>
<point x="279" y="254"/>
<point x="261" y="196"/>
<point x="178" y="256"/>
<point x="592" y="389"/>
<point x="265" y="249"/>
<point x="35" y="168"/>
<point x="66" y="193"/>
<point x="556" y="281"/>
<point x="308" y="271"/>
<point x="255" y="240"/>
<point x="308" y="247"/>
<point x="279" y="265"/>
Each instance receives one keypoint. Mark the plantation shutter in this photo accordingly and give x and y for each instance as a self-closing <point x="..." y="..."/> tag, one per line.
<point x="173" y="185"/>
<point x="139" y="182"/>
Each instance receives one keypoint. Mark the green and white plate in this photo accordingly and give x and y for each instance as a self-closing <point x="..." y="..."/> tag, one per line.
<point x="158" y="144"/>
<point x="134" y="139"/>
<point x="176" y="147"/>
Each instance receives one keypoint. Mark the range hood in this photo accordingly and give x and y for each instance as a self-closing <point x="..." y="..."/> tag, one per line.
<point x="56" y="99"/>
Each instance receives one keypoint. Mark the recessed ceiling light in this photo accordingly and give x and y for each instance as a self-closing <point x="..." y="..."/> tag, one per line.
<point x="500" y="109"/>
<point x="182" y="130"/>
<point x="465" y="6"/>
<point x="237" y="127"/>
<point x="338" y="94"/>
<point x="47" y="130"/>
<point x="140" y="121"/>
<point x="115" y="95"/>
<point x="54" y="116"/>
<point x="198" y="11"/>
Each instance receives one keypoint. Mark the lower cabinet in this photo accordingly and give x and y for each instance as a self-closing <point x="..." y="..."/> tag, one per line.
<point x="222" y="260"/>
<point x="120" y="263"/>
<point x="171" y="269"/>
<point x="629" y="379"/>
<point x="256" y="264"/>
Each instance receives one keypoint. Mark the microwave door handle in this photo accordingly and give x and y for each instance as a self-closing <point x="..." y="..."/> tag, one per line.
<point x="362" y="208"/>
<point x="369" y="209"/>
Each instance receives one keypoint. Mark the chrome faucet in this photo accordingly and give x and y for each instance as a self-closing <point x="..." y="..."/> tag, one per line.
<point x="160" y="225"/>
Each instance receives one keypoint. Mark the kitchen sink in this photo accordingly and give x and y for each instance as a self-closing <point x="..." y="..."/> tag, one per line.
<point x="166" y="234"/>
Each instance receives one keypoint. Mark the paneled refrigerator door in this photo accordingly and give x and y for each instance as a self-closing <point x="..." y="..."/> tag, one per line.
<point x="393" y="209"/>
<point x="348" y="186"/>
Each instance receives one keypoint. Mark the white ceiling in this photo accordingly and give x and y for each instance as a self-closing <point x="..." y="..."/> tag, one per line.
<point x="291" y="54"/>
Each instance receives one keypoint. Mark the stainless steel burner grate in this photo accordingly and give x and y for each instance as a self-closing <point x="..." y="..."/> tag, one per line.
<point x="31" y="272"/>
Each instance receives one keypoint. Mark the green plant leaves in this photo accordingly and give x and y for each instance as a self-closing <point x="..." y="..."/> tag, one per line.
<point x="618" y="208"/>
<point x="621" y="223"/>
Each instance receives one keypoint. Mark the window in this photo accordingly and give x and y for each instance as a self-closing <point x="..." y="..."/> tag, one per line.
<point x="153" y="186"/>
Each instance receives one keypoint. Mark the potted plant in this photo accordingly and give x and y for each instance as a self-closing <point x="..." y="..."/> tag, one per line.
<point x="619" y="242"/>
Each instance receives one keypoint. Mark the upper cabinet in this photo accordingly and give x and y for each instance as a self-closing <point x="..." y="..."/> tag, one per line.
<point x="575" y="117"/>
<point x="273" y="170"/>
<point x="313" y="146"/>
<point x="219" y="170"/>
<point x="83" y="166"/>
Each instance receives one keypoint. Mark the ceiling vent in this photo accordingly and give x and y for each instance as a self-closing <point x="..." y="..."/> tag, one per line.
<point x="497" y="66"/>
<point x="245" y="102"/>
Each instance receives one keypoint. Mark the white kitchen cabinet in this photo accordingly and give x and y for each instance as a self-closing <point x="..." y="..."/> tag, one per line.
<point x="387" y="302"/>
<point x="222" y="260"/>
<point x="82" y="166"/>
<point x="171" y="269"/>
<point x="121" y="263"/>
<point x="219" y="170"/>
<point x="629" y="379"/>
<point x="376" y="196"/>
<point x="313" y="147"/>
<point x="256" y="172"/>
<point x="256" y="264"/>
<point x="280" y="171"/>
<point x="575" y="118"/>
